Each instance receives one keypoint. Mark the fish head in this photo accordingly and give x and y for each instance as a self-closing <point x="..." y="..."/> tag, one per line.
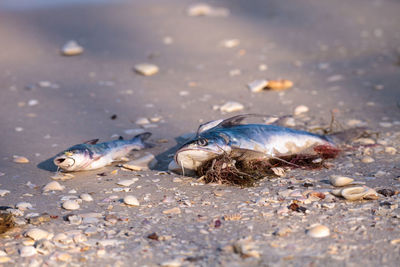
<point x="73" y="158"/>
<point x="196" y="152"/>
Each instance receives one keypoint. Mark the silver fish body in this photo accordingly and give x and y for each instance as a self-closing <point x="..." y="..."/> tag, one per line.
<point x="90" y="156"/>
<point x="247" y="141"/>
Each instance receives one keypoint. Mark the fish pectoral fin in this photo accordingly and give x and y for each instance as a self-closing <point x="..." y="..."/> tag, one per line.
<point x="91" y="142"/>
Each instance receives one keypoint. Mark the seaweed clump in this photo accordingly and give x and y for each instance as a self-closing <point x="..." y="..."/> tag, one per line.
<point x="242" y="172"/>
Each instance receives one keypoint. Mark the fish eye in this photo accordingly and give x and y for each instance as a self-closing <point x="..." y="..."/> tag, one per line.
<point x="202" y="142"/>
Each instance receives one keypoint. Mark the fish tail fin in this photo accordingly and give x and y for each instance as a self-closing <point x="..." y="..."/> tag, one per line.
<point x="347" y="136"/>
<point x="141" y="138"/>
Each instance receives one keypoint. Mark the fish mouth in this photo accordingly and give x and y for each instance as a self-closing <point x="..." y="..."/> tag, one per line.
<point x="196" y="159"/>
<point x="64" y="162"/>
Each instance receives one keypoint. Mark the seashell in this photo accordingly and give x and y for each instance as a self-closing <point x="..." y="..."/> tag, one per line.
<point x="300" y="110"/>
<point x="279" y="85"/>
<point x="37" y="234"/>
<point x="71" y="205"/>
<point x="21" y="160"/>
<point x="127" y="182"/>
<point x="86" y="197"/>
<point x="4" y="259"/>
<point x="171" y="263"/>
<point x="24" y="206"/>
<point x="4" y="192"/>
<point x="318" y="231"/>
<point x="337" y="180"/>
<point x="367" y="159"/>
<point x="257" y="85"/>
<point x="231" y="106"/>
<point x="53" y="186"/>
<point x="337" y="192"/>
<point x="358" y="193"/>
<point x="27" y="251"/>
<point x="131" y="200"/>
<point x="71" y="48"/>
<point x="142" y="121"/>
<point x="143" y="163"/>
<point x="146" y="69"/>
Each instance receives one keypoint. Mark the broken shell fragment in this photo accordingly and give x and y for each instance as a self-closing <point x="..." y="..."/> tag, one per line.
<point x="131" y="200"/>
<point x="146" y="69"/>
<point x="318" y="231"/>
<point x="257" y="85"/>
<point x="86" y="197"/>
<point x="53" y="186"/>
<point x="337" y="180"/>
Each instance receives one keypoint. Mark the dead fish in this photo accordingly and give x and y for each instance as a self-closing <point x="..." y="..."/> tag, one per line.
<point x="90" y="155"/>
<point x="250" y="141"/>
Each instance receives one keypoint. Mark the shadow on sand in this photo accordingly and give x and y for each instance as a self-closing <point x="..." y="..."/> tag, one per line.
<point x="47" y="165"/>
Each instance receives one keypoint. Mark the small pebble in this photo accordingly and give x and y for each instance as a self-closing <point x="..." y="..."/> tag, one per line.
<point x="300" y="110"/>
<point x="27" y="251"/>
<point x="131" y="201"/>
<point x="53" y="186"/>
<point x="318" y="231"/>
<point x="231" y="106"/>
<point x="71" y="48"/>
<point x="18" y="159"/>
<point x="71" y="205"/>
<point x="146" y="69"/>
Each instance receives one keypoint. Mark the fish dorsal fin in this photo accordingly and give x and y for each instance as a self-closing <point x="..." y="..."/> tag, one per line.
<point x="208" y="125"/>
<point x="232" y="121"/>
<point x="91" y="142"/>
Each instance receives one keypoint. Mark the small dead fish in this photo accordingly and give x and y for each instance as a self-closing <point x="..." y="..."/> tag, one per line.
<point x="250" y="141"/>
<point x="90" y="156"/>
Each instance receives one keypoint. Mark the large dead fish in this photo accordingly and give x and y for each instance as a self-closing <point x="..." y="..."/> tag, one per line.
<point x="250" y="141"/>
<point x="90" y="156"/>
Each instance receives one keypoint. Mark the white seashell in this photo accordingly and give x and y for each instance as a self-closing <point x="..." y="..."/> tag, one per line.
<point x="3" y="253"/>
<point x="142" y="121"/>
<point x="37" y="234"/>
<point x="72" y="48"/>
<point x="144" y="163"/>
<point x="300" y="110"/>
<point x="127" y="182"/>
<point x="231" y="106"/>
<point x="24" y="206"/>
<point x="257" y="85"/>
<point x="86" y="197"/>
<point x="4" y="192"/>
<point x="318" y="231"/>
<point x="359" y="193"/>
<point x="53" y="186"/>
<point x="27" y="251"/>
<point x="337" y="192"/>
<point x="131" y="200"/>
<point x="146" y="69"/>
<point x="18" y="159"/>
<point x="230" y="43"/>
<point x="367" y="159"/>
<point x="337" y="180"/>
<point x="71" y="205"/>
<point x="172" y="263"/>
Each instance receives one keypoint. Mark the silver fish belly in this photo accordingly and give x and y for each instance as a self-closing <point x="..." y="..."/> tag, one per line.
<point x="90" y="156"/>
<point x="247" y="141"/>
